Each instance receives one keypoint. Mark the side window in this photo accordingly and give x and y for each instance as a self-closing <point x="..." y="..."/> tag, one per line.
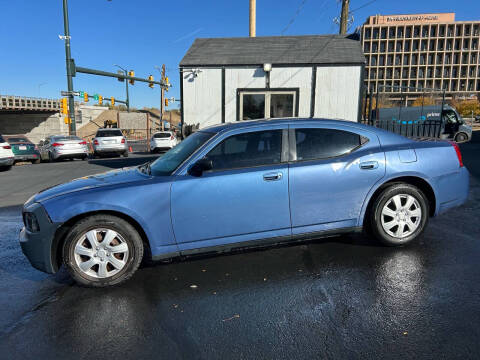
<point x="247" y="150"/>
<point x="315" y="143"/>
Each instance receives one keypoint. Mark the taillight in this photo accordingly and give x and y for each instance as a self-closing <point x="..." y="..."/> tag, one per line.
<point x="171" y="137"/>
<point x="95" y="142"/>
<point x="83" y="143"/>
<point x="123" y="141"/>
<point x="57" y="144"/>
<point x="7" y="147"/>
<point x="459" y="154"/>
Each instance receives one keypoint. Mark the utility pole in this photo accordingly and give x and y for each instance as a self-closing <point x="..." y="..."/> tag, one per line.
<point x="344" y="17"/>
<point x="162" y="96"/>
<point x="69" y="63"/>
<point x="253" y="18"/>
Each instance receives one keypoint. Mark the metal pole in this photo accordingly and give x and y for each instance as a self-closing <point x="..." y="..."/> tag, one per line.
<point x="253" y="18"/>
<point x="126" y="87"/>
<point x="68" y="60"/>
<point x="162" y="110"/>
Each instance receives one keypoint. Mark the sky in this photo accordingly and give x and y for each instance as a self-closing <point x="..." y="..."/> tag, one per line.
<point x="140" y="34"/>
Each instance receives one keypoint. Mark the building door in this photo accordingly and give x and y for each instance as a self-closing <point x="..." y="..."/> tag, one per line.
<point x="266" y="104"/>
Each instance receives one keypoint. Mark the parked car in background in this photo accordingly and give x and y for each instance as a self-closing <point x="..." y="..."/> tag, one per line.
<point x="6" y="155"/>
<point x="249" y="183"/>
<point x="477" y="118"/>
<point x="108" y="142"/>
<point x="162" y="141"/>
<point x="57" y="147"/>
<point x="23" y="149"/>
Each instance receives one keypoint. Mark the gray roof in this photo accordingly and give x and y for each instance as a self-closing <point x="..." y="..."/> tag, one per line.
<point x="285" y="50"/>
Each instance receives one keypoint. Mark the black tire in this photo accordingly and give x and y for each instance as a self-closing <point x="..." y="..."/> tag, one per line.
<point x="375" y="213"/>
<point x="461" y="137"/>
<point x="36" y="161"/>
<point x="122" y="227"/>
<point x="5" y="168"/>
<point x="85" y="157"/>
<point x="125" y="154"/>
<point x="50" y="157"/>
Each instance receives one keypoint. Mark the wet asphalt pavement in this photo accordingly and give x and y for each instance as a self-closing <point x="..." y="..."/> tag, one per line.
<point x="343" y="297"/>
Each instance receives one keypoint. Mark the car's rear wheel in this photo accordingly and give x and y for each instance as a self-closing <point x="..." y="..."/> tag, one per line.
<point x="125" y="154"/>
<point x="102" y="250"/>
<point x="36" y="161"/>
<point x="50" y="157"/>
<point x="399" y="214"/>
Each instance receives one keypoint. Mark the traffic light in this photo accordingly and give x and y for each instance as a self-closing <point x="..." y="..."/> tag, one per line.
<point x="166" y="102"/>
<point x="167" y="83"/>
<point x="150" y="78"/>
<point x="64" y="106"/>
<point x="85" y="96"/>
<point x="132" y="74"/>
<point x="112" y="101"/>
<point x="100" y="99"/>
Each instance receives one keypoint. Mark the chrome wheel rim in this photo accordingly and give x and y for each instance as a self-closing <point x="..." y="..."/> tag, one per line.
<point x="101" y="253"/>
<point x="401" y="216"/>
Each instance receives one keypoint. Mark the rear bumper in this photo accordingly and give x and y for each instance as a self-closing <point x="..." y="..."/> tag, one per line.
<point x="7" y="161"/>
<point x="37" y="246"/>
<point x="70" y="153"/>
<point x="110" y="149"/>
<point x="27" y="157"/>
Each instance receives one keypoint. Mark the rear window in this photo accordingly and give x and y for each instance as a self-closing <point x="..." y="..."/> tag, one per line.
<point x="316" y="143"/>
<point x="108" y="133"/>
<point x="162" y="135"/>
<point x="17" y="139"/>
<point x="66" y="138"/>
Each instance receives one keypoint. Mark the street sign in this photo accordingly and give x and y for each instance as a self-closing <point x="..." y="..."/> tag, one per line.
<point x="81" y="93"/>
<point x="95" y="97"/>
<point x="68" y="93"/>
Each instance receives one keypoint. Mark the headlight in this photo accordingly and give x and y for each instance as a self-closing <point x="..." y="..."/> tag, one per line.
<point x="30" y="221"/>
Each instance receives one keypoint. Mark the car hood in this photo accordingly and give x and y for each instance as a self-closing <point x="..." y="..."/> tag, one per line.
<point x="113" y="177"/>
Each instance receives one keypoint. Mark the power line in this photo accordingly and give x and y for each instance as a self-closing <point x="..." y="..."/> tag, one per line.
<point x="360" y="7"/>
<point x="292" y="20"/>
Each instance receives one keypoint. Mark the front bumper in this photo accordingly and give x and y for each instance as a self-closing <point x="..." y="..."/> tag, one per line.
<point x="38" y="246"/>
<point x="7" y="161"/>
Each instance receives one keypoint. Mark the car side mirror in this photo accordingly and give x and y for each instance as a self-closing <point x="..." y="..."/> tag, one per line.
<point x="200" y="166"/>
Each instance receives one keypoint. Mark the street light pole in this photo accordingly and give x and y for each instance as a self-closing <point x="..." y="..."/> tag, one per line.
<point x="126" y="86"/>
<point x="39" y="85"/>
<point x="68" y="60"/>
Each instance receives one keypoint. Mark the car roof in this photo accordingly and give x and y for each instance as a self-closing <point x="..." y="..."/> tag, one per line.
<point x="249" y="123"/>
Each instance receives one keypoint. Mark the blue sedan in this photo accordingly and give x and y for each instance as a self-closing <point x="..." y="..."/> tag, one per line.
<point x="242" y="185"/>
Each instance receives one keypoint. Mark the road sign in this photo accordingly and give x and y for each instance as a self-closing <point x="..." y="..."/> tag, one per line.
<point x="81" y="93"/>
<point x="95" y="97"/>
<point x="68" y="93"/>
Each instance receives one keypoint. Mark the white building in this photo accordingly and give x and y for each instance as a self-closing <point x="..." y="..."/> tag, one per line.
<point x="232" y="79"/>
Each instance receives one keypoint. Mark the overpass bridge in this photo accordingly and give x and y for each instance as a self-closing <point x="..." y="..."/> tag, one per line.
<point x="11" y="103"/>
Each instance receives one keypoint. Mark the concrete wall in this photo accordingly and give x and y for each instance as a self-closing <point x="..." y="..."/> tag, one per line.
<point x="336" y="94"/>
<point x="132" y="120"/>
<point x="35" y="126"/>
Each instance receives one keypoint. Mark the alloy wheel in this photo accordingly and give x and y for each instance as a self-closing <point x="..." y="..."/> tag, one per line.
<point x="401" y="216"/>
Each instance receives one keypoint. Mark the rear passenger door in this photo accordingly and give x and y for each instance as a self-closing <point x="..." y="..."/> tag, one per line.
<point x="331" y="172"/>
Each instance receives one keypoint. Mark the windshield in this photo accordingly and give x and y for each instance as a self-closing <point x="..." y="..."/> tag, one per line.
<point x="66" y="138"/>
<point x="172" y="159"/>
<point x="162" y="135"/>
<point x="108" y="133"/>
<point x="17" y="139"/>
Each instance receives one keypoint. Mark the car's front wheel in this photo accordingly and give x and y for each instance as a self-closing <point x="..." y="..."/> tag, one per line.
<point x="102" y="250"/>
<point x="399" y="214"/>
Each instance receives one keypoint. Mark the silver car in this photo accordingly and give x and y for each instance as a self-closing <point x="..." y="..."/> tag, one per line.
<point x="110" y="141"/>
<point x="57" y="147"/>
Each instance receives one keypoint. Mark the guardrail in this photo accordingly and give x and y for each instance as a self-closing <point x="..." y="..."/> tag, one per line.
<point x="10" y="102"/>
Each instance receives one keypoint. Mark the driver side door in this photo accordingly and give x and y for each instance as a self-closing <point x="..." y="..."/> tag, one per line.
<point x="244" y="196"/>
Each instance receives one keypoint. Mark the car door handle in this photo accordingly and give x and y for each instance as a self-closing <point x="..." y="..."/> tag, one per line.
<point x="369" y="165"/>
<point x="272" y="176"/>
